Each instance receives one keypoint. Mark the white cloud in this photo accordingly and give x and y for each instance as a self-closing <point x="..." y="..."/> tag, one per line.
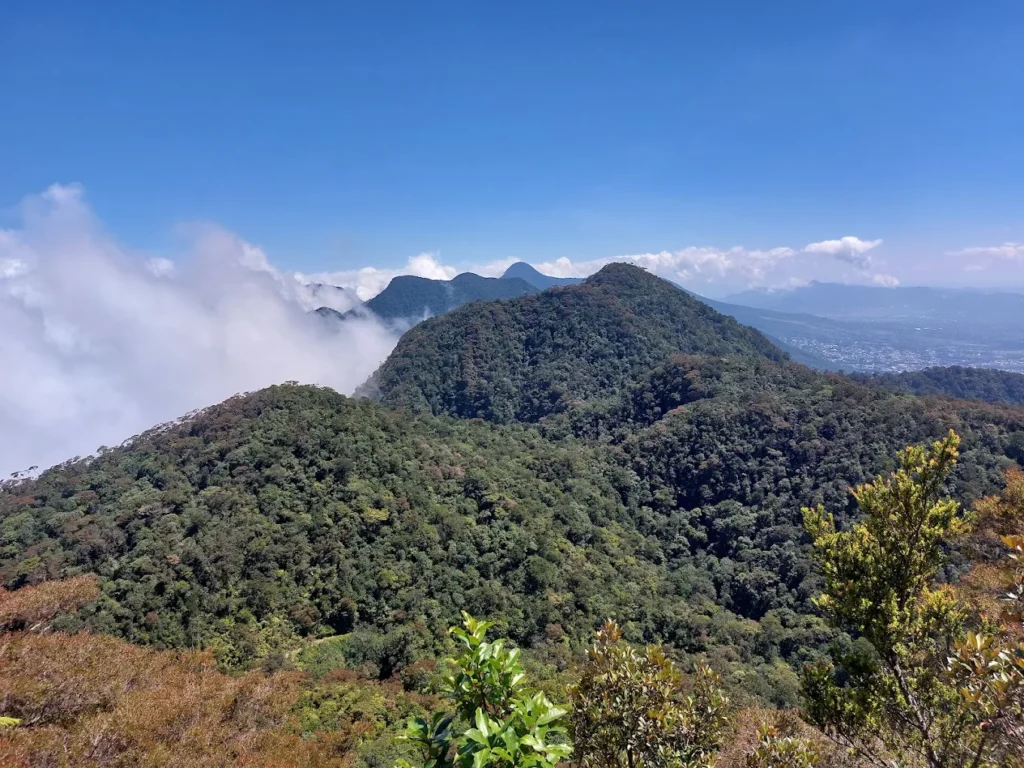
<point x="1004" y="251"/>
<point x="99" y="344"/>
<point x="886" y="281"/>
<point x="684" y="264"/>
<point x="850" y="249"/>
<point x="369" y="281"/>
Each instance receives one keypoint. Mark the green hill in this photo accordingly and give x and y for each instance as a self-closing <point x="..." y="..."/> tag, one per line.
<point x="410" y="298"/>
<point x="523" y="359"/>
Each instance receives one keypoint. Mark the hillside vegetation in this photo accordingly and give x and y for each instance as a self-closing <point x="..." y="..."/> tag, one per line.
<point x="985" y="384"/>
<point x="523" y="359"/>
<point x="297" y="512"/>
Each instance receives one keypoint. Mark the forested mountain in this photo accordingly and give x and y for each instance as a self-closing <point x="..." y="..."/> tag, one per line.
<point x="410" y="298"/>
<point x="523" y="271"/>
<point x="297" y="510"/>
<point x="984" y="384"/>
<point x="525" y="358"/>
<point x="673" y="506"/>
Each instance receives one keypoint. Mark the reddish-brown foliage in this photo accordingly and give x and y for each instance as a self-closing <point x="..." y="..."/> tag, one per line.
<point x="33" y="607"/>
<point x="994" y="575"/>
<point x="94" y="700"/>
<point x="91" y="700"/>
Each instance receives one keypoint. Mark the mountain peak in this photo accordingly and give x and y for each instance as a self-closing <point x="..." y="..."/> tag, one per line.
<point x="622" y="273"/>
<point x="523" y="271"/>
<point x="410" y="298"/>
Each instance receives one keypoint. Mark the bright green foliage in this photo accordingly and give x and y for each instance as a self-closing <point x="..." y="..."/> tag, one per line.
<point x="9" y="722"/>
<point x="432" y="738"/>
<point x="510" y="726"/>
<point x="487" y="675"/>
<point x="778" y="750"/>
<point x="631" y="709"/>
<point x="879" y="574"/>
<point x="890" y="700"/>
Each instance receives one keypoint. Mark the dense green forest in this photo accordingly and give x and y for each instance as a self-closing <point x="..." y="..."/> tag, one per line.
<point x="296" y="512"/>
<point x="525" y="358"/>
<point x="985" y="384"/>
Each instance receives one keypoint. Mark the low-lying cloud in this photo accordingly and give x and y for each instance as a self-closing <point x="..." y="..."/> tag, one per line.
<point x="99" y="344"/>
<point x="684" y="264"/>
<point x="1004" y="251"/>
<point x="748" y="266"/>
<point x="367" y="282"/>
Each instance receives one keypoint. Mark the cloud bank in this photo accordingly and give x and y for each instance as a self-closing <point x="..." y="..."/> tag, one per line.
<point x="1004" y="251"/>
<point x="751" y="267"/>
<point x="99" y="344"/>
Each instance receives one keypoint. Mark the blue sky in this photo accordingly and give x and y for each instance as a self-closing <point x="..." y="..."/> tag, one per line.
<point x="337" y="135"/>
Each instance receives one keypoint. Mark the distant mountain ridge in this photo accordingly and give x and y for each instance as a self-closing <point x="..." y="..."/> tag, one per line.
<point x="530" y="274"/>
<point x="416" y="298"/>
<point x="407" y="299"/>
<point x="823" y="325"/>
<point x="838" y="300"/>
<point x="522" y="359"/>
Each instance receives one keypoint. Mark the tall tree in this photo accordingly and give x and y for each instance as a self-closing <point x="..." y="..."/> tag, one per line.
<point x="891" y="699"/>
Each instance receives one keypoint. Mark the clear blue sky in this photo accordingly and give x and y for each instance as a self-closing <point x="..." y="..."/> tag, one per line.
<point x="342" y="134"/>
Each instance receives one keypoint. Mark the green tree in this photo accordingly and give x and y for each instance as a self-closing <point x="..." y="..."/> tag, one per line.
<point x="890" y="699"/>
<point x="630" y="709"/>
<point x="508" y="726"/>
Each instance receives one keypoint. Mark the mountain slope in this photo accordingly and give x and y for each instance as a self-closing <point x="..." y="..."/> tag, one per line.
<point x="957" y="381"/>
<point x="522" y="359"/>
<point x="780" y="326"/>
<point x="295" y="510"/>
<point x="523" y="271"/>
<point x="413" y="298"/>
